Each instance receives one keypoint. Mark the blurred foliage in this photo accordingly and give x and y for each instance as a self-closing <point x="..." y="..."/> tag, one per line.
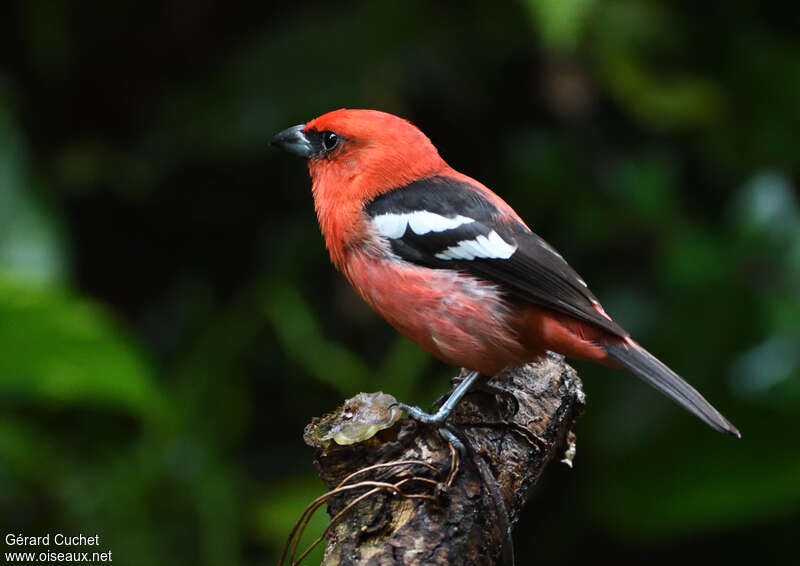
<point x="169" y="320"/>
<point x="61" y="349"/>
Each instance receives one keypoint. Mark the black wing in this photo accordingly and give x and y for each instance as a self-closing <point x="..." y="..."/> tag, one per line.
<point x="446" y="224"/>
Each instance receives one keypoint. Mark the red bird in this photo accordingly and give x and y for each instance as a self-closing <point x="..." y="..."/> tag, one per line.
<point x="450" y="265"/>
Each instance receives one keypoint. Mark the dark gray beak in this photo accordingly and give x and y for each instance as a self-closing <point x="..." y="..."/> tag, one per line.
<point x="293" y="139"/>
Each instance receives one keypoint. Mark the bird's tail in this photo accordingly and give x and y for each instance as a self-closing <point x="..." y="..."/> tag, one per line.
<point x="636" y="359"/>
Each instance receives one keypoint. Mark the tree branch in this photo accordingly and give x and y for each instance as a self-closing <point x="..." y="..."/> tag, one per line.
<point x="459" y="516"/>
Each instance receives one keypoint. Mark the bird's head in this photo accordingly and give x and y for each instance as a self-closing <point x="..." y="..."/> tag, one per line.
<point x="359" y="154"/>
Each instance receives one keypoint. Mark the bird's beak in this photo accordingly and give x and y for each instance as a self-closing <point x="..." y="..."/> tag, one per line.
<point x="293" y="139"/>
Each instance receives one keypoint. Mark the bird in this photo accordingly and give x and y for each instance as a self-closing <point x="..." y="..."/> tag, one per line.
<point x="450" y="265"/>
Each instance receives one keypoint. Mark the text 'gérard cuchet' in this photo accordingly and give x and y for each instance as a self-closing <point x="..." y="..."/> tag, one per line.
<point x="59" y="539"/>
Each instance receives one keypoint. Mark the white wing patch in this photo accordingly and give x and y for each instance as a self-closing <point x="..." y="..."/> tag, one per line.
<point x="489" y="247"/>
<point x="421" y="222"/>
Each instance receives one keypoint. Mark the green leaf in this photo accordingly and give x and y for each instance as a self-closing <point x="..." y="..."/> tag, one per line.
<point x="61" y="349"/>
<point x="29" y="243"/>
<point x="625" y="36"/>
<point x="561" y="23"/>
<point x="304" y="343"/>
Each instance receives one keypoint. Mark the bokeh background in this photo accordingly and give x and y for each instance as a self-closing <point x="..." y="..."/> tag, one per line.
<point x="169" y="319"/>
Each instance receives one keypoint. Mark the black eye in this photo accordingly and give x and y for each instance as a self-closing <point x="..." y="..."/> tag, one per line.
<point x="329" y="140"/>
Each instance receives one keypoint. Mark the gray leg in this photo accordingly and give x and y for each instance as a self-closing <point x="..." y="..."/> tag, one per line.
<point x="482" y="386"/>
<point x="451" y="437"/>
<point x="447" y="407"/>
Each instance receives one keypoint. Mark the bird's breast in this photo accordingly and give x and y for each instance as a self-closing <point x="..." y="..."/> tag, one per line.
<point x="455" y="317"/>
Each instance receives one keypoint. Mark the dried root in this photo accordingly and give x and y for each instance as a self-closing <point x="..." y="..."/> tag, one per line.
<point x="430" y="489"/>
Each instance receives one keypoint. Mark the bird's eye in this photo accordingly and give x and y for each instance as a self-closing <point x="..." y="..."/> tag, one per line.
<point x="329" y="140"/>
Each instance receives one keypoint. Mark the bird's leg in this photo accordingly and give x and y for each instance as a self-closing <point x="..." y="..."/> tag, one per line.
<point x="483" y="386"/>
<point x="447" y="407"/>
<point x="451" y="437"/>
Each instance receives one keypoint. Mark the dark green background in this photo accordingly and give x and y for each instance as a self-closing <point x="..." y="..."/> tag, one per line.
<point x="169" y="319"/>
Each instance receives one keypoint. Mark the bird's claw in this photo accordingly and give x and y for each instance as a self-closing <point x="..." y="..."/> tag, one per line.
<point x="440" y="416"/>
<point x="482" y="386"/>
<point x="451" y="437"/>
<point x="437" y="419"/>
<point x="419" y="415"/>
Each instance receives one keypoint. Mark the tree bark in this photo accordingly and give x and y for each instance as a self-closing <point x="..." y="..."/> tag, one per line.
<point x="468" y="521"/>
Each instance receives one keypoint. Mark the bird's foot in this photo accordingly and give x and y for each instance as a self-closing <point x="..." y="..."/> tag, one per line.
<point x="451" y="437"/>
<point x="436" y="419"/>
<point x="417" y="414"/>
<point x="482" y="385"/>
<point x="439" y="417"/>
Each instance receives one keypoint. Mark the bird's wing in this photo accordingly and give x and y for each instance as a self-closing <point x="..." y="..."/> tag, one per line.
<point x="444" y="223"/>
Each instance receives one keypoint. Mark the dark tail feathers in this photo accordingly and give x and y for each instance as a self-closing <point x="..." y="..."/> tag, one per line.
<point x="636" y="359"/>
